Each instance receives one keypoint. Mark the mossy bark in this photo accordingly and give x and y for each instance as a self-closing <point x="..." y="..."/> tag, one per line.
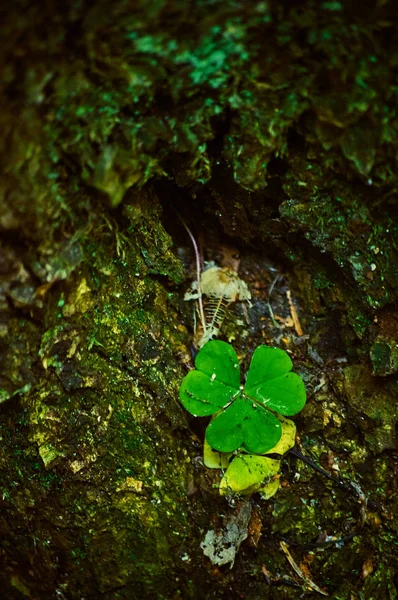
<point x="269" y="125"/>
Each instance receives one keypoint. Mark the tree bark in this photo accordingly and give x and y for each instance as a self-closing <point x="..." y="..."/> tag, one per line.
<point x="270" y="128"/>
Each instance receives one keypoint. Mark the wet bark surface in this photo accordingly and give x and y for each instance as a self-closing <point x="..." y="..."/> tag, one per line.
<point x="270" y="130"/>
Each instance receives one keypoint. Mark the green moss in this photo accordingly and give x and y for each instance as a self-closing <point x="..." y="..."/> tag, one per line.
<point x="359" y="386"/>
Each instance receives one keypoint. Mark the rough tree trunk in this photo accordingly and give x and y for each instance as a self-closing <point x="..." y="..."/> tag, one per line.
<point x="271" y="127"/>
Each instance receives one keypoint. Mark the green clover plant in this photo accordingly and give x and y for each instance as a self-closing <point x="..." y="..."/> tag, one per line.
<point x="246" y="418"/>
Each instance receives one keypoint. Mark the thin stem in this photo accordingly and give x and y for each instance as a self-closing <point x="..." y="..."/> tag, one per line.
<point x="316" y="467"/>
<point x="197" y="257"/>
<point x="271" y="312"/>
<point x="349" y="486"/>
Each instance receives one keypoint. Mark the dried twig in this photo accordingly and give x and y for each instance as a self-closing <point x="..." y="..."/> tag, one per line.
<point x="299" y="572"/>
<point x="293" y="312"/>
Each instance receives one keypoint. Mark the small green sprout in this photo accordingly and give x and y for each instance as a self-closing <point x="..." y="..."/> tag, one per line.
<point x="248" y="414"/>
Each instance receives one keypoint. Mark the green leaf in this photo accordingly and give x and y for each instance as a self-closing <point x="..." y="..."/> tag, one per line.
<point x="249" y="473"/>
<point x="218" y="360"/>
<point x="269" y="380"/>
<point x="203" y="397"/>
<point x="244" y="425"/>
<point x="285" y="395"/>
<point x="267" y="363"/>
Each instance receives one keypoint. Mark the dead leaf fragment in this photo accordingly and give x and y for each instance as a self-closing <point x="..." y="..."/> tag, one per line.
<point x="221" y="546"/>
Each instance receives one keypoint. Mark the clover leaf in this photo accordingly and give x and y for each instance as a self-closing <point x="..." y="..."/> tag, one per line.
<point x="250" y="473"/>
<point x="247" y="416"/>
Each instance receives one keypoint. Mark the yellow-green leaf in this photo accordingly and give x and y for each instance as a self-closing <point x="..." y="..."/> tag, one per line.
<point x="288" y="437"/>
<point x="249" y="473"/>
<point x="213" y="459"/>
